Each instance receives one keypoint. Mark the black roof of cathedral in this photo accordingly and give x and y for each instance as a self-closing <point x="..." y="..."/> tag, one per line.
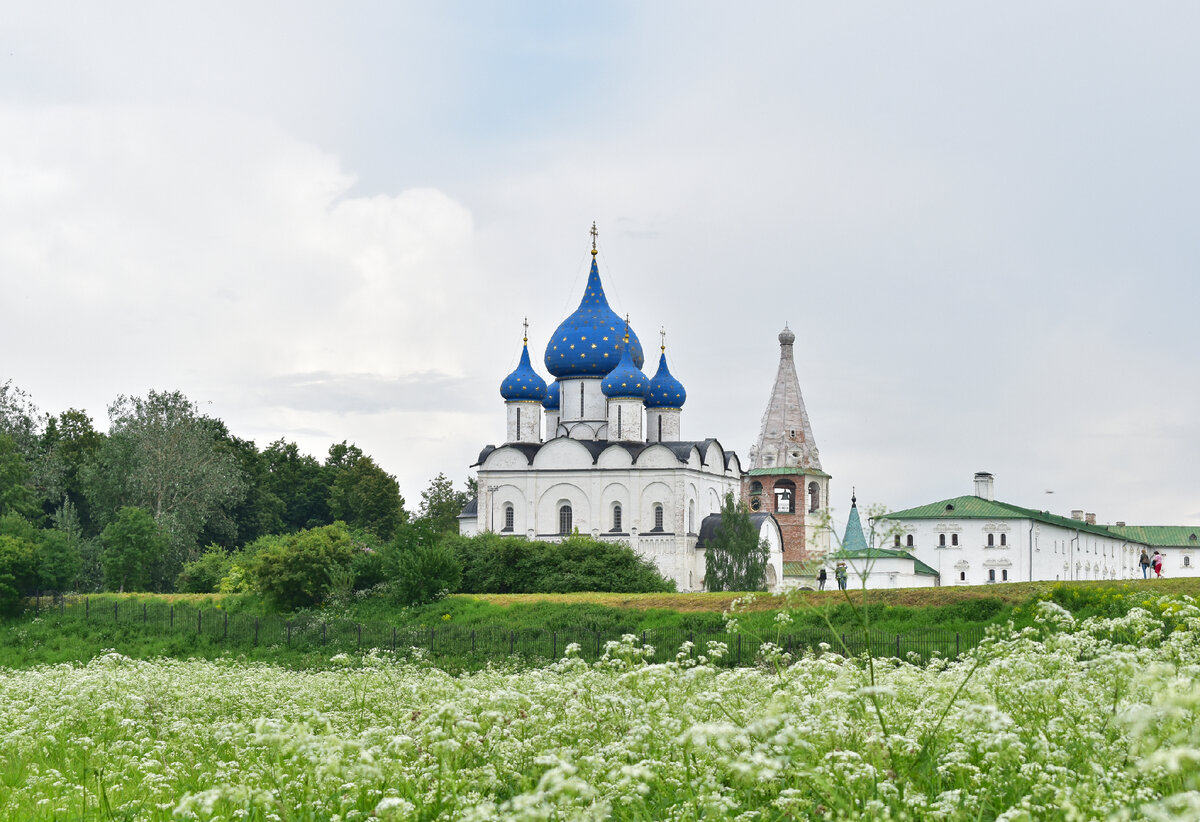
<point x="681" y="449"/>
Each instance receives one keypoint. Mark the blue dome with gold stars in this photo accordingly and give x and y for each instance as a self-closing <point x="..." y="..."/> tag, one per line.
<point x="524" y="383"/>
<point x="552" y="394"/>
<point x="589" y="342"/>
<point x="626" y="380"/>
<point x="665" y="391"/>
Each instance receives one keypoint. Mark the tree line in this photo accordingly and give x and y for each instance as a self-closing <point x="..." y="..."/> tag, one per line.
<point x="169" y="499"/>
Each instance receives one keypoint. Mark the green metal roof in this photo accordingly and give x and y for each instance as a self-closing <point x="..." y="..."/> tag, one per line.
<point x="886" y="553"/>
<point x="971" y="507"/>
<point x="854" y="539"/>
<point x="1160" y="536"/>
<point x="784" y="469"/>
<point x="796" y="569"/>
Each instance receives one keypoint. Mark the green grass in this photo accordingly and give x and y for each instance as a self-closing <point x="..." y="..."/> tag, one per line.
<point x="466" y="631"/>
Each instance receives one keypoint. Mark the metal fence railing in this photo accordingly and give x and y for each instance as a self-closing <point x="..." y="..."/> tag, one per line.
<point x="478" y="645"/>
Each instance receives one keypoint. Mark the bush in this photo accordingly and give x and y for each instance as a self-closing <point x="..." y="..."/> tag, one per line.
<point x="298" y="570"/>
<point x="419" y="569"/>
<point x="502" y="565"/>
<point x="18" y="572"/>
<point x="204" y="575"/>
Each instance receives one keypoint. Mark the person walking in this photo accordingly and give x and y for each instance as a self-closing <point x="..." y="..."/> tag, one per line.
<point x="1145" y="563"/>
<point x="821" y="577"/>
<point x="1157" y="561"/>
<point x="840" y="575"/>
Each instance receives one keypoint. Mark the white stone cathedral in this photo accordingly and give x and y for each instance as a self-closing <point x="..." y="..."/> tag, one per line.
<point x="600" y="452"/>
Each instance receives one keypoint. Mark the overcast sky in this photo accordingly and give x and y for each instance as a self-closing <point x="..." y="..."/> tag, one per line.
<point x="327" y="221"/>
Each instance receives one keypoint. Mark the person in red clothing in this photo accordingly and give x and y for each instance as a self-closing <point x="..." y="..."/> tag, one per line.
<point x="1156" y="561"/>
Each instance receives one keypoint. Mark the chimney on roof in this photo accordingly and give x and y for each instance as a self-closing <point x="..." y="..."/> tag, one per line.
<point x="1077" y="514"/>
<point x="1090" y="519"/>
<point x="983" y="485"/>
<point x="1120" y="524"/>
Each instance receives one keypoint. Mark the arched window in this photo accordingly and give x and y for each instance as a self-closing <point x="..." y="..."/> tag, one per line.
<point x="1004" y="575"/>
<point x="991" y="540"/>
<point x="909" y="541"/>
<point x="564" y="519"/>
<point x="581" y="400"/>
<point x="785" y="497"/>
<point x="942" y="540"/>
<point x="508" y="517"/>
<point x="658" y="517"/>
<point x="660" y="427"/>
<point x="991" y="574"/>
<point x="691" y="516"/>
<point x="954" y="539"/>
<point x="518" y="422"/>
<point x="617" y="517"/>
<point x="1004" y="539"/>
<point x="814" y="497"/>
<point x="962" y="576"/>
<point x="755" y="488"/>
<point x="897" y="540"/>
<point x="1187" y="562"/>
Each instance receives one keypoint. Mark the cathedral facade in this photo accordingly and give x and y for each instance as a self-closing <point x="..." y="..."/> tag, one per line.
<point x="600" y="451"/>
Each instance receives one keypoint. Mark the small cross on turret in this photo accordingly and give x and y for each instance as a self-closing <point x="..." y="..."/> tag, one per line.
<point x="595" y="233"/>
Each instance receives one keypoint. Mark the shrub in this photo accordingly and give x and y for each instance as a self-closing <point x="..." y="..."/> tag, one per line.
<point x="418" y="568"/>
<point x="503" y="565"/>
<point x="204" y="575"/>
<point x="298" y="570"/>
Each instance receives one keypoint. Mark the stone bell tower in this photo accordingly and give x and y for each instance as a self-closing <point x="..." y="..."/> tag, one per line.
<point x="785" y="477"/>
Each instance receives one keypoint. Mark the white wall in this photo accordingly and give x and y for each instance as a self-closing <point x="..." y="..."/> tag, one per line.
<point x="1031" y="551"/>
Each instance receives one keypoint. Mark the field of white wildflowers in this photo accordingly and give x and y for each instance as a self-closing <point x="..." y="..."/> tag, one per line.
<point x="1066" y="720"/>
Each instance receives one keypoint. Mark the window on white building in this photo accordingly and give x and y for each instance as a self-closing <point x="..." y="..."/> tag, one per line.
<point x="508" y="517"/>
<point x="991" y="574"/>
<point x="991" y="540"/>
<point x="564" y="520"/>
<point x="954" y="539"/>
<point x="1004" y="539"/>
<point x="814" y="497"/>
<point x="658" y="517"/>
<point x="1004" y="574"/>
<point x="897" y="540"/>
<point x="617" y="517"/>
<point x="942" y="540"/>
<point x="1187" y="562"/>
<point x="909" y="541"/>
<point x="962" y="575"/>
<point x="691" y="516"/>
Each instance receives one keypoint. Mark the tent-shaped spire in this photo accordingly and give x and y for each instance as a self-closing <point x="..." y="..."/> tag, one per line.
<point x="854" y="540"/>
<point x="786" y="438"/>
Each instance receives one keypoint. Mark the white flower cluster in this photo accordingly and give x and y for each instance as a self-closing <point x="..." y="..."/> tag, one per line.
<point x="1069" y="720"/>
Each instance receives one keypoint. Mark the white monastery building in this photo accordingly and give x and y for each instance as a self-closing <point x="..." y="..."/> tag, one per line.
<point x="600" y="451"/>
<point x="975" y="540"/>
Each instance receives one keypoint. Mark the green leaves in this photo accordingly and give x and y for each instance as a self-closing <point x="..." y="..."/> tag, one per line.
<point x="735" y="559"/>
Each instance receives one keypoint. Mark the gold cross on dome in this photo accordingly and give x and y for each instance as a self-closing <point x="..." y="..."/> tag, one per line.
<point x="526" y="324"/>
<point x="595" y="233"/>
<point x="662" y="333"/>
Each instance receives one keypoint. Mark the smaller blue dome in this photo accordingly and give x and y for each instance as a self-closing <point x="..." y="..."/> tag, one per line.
<point x="524" y="383"/>
<point x="665" y="391"/>
<point x="626" y="380"/>
<point x="552" y="395"/>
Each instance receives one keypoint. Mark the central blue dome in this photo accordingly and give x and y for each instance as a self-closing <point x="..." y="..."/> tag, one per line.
<point x="589" y="342"/>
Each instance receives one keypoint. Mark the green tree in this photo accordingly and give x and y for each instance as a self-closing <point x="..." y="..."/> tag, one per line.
<point x="362" y="494"/>
<point x="299" y="570"/>
<point x="300" y="483"/>
<point x="260" y="511"/>
<point x="16" y="492"/>
<point x="162" y="456"/>
<point x="735" y="559"/>
<point x="133" y="546"/>
<point x="204" y="575"/>
<point x="18" y="572"/>
<point x="59" y="560"/>
<point x="68" y="444"/>
<point x="418" y="567"/>
<point x="441" y="505"/>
